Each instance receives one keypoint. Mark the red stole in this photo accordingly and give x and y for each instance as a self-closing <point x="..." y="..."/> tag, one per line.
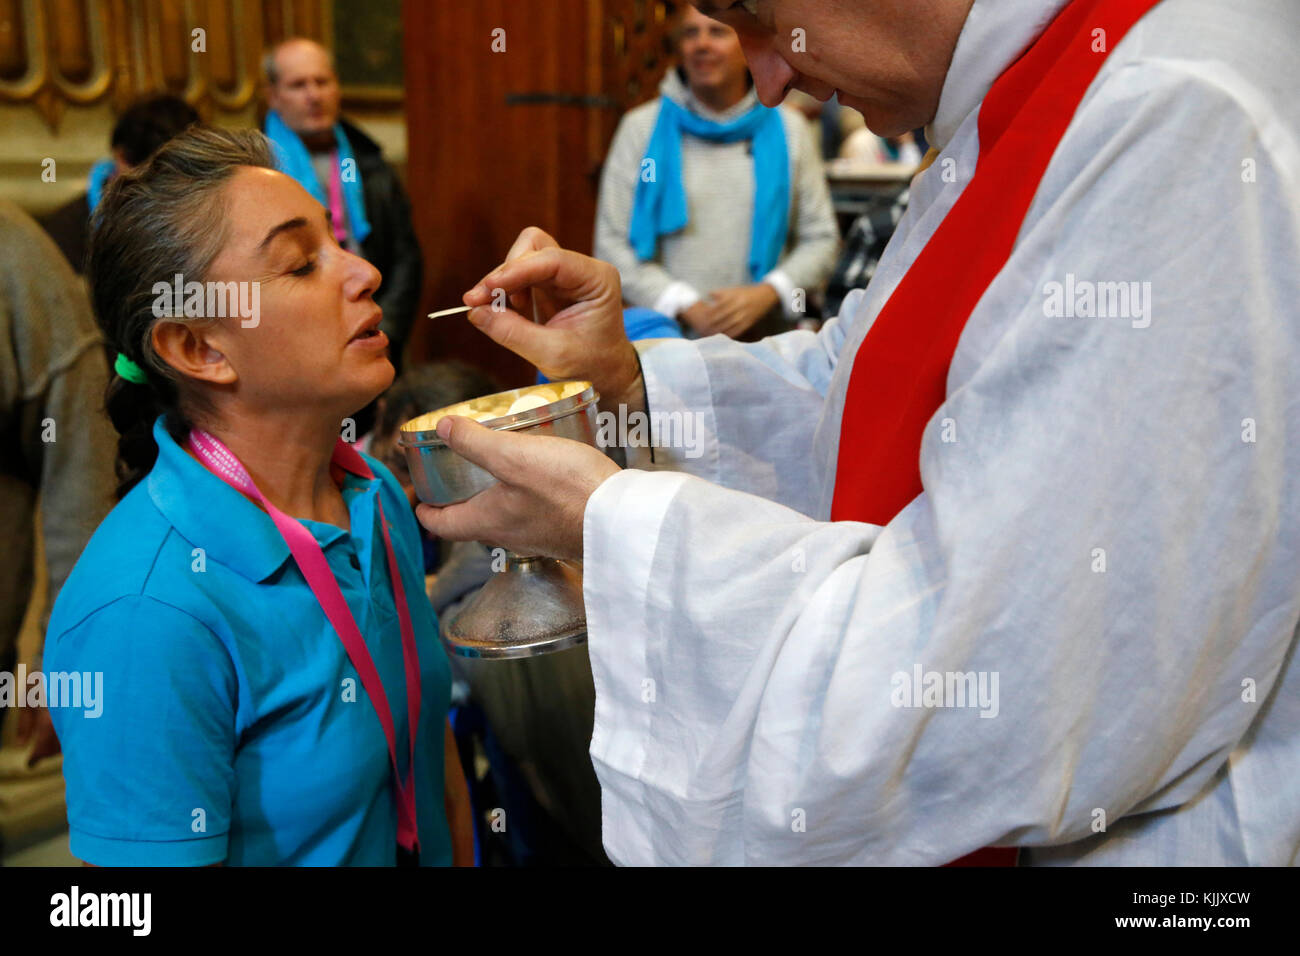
<point x="899" y="376"/>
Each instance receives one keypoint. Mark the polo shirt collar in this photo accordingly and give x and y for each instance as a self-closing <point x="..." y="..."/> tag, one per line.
<point x="212" y="515"/>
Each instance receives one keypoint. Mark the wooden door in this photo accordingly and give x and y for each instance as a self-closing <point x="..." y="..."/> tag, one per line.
<point x="510" y="107"/>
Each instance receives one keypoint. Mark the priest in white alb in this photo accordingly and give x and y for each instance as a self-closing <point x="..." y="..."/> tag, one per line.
<point x="1005" y="560"/>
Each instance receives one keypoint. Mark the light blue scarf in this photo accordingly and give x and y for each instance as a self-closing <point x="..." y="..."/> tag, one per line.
<point x="660" y="205"/>
<point x="295" y="162"/>
<point x="100" y="174"/>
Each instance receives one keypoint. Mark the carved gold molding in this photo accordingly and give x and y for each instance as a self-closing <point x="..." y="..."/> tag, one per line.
<point x="57" y="52"/>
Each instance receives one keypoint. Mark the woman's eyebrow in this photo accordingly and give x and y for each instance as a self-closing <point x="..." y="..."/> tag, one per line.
<point x="297" y="222"/>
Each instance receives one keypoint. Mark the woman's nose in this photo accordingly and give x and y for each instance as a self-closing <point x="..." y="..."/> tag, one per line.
<point x="363" y="278"/>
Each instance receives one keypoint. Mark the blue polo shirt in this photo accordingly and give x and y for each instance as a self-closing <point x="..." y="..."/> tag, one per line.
<point x="234" y="727"/>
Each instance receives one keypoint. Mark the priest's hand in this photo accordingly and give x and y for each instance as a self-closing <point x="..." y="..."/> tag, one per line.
<point x="563" y="312"/>
<point x="538" y="505"/>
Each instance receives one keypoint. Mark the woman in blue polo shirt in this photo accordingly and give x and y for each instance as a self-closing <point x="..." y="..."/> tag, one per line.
<point x="262" y="665"/>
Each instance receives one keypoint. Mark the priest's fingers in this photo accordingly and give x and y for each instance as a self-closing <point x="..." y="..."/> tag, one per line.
<point x="522" y="302"/>
<point x="535" y="303"/>
<point x="568" y="275"/>
<point x="506" y="517"/>
<point x="538" y="505"/>
<point x="530" y="240"/>
<point x="580" y="301"/>
<point x="516" y="332"/>
<point x="545" y="465"/>
<point x="472" y="520"/>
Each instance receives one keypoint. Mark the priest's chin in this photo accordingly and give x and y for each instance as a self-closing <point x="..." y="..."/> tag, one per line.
<point x="884" y="119"/>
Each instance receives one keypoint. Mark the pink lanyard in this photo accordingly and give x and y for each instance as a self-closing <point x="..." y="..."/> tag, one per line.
<point x="311" y="561"/>
<point x="336" y="200"/>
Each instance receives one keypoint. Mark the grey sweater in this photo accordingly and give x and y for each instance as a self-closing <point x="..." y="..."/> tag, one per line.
<point x="712" y="251"/>
<point x="56" y="439"/>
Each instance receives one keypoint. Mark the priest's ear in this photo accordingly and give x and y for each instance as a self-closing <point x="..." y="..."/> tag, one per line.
<point x="187" y="348"/>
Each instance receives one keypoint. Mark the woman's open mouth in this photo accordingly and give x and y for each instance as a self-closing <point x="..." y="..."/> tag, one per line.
<point x="370" y="338"/>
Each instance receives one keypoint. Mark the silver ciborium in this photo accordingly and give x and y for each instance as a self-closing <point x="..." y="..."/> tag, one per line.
<point x="534" y="604"/>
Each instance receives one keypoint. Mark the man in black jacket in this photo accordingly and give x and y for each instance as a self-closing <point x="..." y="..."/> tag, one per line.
<point x="343" y="168"/>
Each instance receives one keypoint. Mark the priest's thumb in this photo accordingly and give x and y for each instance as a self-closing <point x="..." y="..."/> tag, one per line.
<point x="494" y="451"/>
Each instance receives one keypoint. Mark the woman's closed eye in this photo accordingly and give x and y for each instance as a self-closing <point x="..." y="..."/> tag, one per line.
<point x="305" y="269"/>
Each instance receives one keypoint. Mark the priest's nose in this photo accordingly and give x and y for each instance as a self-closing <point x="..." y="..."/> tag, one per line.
<point x="773" y="76"/>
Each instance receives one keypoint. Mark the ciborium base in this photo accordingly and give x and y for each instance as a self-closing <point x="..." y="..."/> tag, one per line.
<point x="534" y="606"/>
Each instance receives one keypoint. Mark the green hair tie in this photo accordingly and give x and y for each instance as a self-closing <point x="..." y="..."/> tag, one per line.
<point x="133" y="373"/>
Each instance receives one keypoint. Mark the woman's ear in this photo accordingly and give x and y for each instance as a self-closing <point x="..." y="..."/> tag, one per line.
<point x="187" y="349"/>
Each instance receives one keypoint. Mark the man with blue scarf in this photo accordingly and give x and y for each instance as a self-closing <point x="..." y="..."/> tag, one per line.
<point x="713" y="207"/>
<point x="344" y="170"/>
